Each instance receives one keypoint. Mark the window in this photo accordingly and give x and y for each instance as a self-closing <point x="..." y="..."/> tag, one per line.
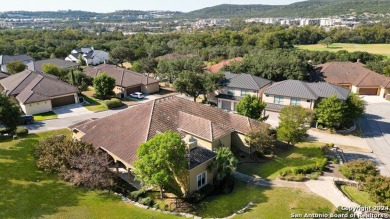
<point x="295" y="101"/>
<point x="230" y="91"/>
<point x="201" y="178"/>
<point x="278" y="100"/>
<point x="244" y="92"/>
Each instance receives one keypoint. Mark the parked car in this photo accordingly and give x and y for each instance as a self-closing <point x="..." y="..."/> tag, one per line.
<point x="27" y="119"/>
<point x="137" y="95"/>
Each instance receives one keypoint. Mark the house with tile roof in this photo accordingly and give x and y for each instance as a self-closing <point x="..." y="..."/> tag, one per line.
<point x="300" y="93"/>
<point x="38" y="93"/>
<point x="127" y="81"/>
<point x="38" y="65"/>
<point x="202" y="127"/>
<point x="5" y="59"/>
<point x="90" y="56"/>
<point x="237" y="86"/>
<point x="354" y="76"/>
<point x="218" y="67"/>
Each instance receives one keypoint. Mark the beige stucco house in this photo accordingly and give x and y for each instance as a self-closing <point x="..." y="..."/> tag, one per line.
<point x="355" y="77"/>
<point x="294" y="92"/>
<point x="127" y="81"/>
<point x="38" y="93"/>
<point x="203" y="128"/>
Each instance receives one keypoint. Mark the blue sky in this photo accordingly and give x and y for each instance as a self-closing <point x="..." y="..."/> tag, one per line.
<point x="113" y="5"/>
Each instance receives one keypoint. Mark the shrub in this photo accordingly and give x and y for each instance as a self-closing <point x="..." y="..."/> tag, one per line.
<point x="314" y="175"/>
<point x="114" y="103"/>
<point x="137" y="195"/>
<point x="359" y="169"/>
<point x="156" y="206"/>
<point x="21" y="131"/>
<point x="147" y="201"/>
<point x="294" y="177"/>
<point x="199" y="195"/>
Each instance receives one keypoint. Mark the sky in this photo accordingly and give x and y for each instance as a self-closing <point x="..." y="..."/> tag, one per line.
<point x="114" y="5"/>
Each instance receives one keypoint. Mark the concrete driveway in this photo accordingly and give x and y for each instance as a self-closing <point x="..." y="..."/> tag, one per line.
<point x="71" y="111"/>
<point x="375" y="127"/>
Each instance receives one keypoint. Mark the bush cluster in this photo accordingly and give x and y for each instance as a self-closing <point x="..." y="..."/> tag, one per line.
<point x="21" y="131"/>
<point x="199" y="195"/>
<point x="137" y="195"/>
<point x="114" y="103"/>
<point x="306" y="169"/>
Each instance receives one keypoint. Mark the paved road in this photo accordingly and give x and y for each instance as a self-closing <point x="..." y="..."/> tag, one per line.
<point x="375" y="127"/>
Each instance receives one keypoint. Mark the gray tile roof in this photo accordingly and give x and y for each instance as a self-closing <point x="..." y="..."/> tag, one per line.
<point x="38" y="65"/>
<point x="200" y="155"/>
<point x="3" y="75"/>
<point x="4" y="59"/>
<point x="244" y="81"/>
<point x="29" y="86"/>
<point x="311" y="91"/>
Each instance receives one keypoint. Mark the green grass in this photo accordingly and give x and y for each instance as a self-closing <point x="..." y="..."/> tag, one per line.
<point x="269" y="203"/>
<point x="94" y="104"/>
<point x="381" y="49"/>
<point x="299" y="155"/>
<point x="45" y="116"/>
<point x="360" y="197"/>
<point x="28" y="192"/>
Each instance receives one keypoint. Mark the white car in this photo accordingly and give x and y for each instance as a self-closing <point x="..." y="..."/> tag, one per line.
<point x="137" y="95"/>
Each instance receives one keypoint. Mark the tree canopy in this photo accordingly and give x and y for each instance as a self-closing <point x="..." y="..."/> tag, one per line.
<point x="250" y="106"/>
<point x="162" y="162"/>
<point x="16" y="67"/>
<point x="262" y="140"/>
<point x="330" y="111"/>
<point x="103" y="85"/>
<point x="9" y="114"/>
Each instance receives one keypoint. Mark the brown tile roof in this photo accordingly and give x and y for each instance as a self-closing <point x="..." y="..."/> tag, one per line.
<point x="29" y="86"/>
<point x="349" y="73"/>
<point x="122" y="133"/>
<point x="217" y="67"/>
<point x="123" y="77"/>
<point x="386" y="84"/>
<point x="173" y="56"/>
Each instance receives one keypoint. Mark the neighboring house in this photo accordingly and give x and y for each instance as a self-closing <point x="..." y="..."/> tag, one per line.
<point x="237" y="86"/>
<point x="90" y="56"/>
<point x="354" y="76"/>
<point x="173" y="56"/>
<point x="38" y="65"/>
<point x="127" y="81"/>
<point x="217" y="67"/>
<point x="294" y="92"/>
<point x="202" y="127"/>
<point x="5" y="59"/>
<point x="3" y="75"/>
<point x="37" y="92"/>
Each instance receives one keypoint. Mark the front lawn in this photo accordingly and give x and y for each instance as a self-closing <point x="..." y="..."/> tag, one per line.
<point x="360" y="197"/>
<point x="301" y="154"/>
<point x="45" y="116"/>
<point x="269" y="203"/>
<point x="93" y="104"/>
<point x="28" y="192"/>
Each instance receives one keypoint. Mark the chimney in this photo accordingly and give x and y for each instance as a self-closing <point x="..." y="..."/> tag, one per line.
<point x="190" y="141"/>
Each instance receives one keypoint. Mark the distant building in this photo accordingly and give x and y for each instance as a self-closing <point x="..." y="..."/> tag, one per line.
<point x="90" y="56"/>
<point x="5" y="59"/>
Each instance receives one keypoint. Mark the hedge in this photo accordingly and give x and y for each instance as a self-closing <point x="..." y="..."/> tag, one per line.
<point x="114" y="103"/>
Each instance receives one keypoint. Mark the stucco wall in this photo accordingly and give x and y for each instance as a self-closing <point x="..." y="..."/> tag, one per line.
<point x="237" y="91"/>
<point x="225" y="141"/>
<point x="36" y="108"/>
<point x="151" y="88"/>
<point x="193" y="186"/>
<point x="287" y="101"/>
<point x="203" y="143"/>
<point x="232" y="104"/>
<point x="238" y="142"/>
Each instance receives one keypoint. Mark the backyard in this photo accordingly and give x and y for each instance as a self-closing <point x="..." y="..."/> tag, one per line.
<point x="382" y="49"/>
<point x="295" y="156"/>
<point x="27" y="192"/>
<point x="269" y="203"/>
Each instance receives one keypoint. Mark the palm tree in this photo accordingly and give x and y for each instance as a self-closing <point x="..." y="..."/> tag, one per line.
<point x="225" y="162"/>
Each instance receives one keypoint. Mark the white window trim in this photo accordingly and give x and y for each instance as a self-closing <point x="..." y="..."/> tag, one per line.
<point x="205" y="180"/>
<point x="280" y="98"/>
<point x="298" y="103"/>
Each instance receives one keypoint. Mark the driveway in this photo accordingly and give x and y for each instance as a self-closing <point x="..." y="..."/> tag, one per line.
<point x="375" y="127"/>
<point x="71" y="111"/>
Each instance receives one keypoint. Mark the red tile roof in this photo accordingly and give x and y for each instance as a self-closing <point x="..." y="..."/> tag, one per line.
<point x="123" y="133"/>
<point x="217" y="67"/>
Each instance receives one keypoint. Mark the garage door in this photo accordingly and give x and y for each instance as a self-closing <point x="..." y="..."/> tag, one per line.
<point x="368" y="91"/>
<point x="61" y="101"/>
<point x="133" y="89"/>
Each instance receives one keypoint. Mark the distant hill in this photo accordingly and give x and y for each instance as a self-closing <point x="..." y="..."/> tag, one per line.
<point x="311" y="8"/>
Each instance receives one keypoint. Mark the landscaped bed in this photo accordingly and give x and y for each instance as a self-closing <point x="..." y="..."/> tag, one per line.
<point x="269" y="203"/>
<point x="300" y="155"/>
<point x="27" y="192"/>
